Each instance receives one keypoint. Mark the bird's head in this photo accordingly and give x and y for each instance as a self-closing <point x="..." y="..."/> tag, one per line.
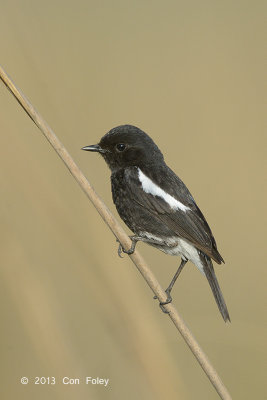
<point x="125" y="146"/>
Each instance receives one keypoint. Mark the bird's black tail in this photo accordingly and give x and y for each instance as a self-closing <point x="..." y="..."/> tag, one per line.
<point x="217" y="293"/>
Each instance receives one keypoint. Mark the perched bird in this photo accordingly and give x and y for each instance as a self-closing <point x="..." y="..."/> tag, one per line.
<point x="157" y="206"/>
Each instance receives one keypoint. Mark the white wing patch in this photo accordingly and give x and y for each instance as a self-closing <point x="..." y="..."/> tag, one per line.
<point x="150" y="187"/>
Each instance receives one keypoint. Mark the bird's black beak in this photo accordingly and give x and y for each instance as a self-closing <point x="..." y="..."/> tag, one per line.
<point x="94" y="147"/>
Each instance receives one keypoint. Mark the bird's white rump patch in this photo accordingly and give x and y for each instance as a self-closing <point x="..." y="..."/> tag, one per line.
<point x="150" y="187"/>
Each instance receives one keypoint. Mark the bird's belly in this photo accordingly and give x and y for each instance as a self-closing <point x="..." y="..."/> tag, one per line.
<point x="175" y="246"/>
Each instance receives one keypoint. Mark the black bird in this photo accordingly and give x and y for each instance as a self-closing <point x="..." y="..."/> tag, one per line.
<point x="157" y="206"/>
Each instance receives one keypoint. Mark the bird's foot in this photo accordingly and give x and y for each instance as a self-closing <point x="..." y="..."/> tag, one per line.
<point x="121" y="250"/>
<point x="167" y="301"/>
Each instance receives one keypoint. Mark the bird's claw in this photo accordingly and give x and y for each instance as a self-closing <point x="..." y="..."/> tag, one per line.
<point x="122" y="250"/>
<point x="164" y="303"/>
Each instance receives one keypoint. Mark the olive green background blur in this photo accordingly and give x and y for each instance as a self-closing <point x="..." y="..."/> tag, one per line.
<point x="191" y="75"/>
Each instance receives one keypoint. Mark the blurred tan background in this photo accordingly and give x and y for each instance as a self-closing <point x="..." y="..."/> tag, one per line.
<point x="191" y="75"/>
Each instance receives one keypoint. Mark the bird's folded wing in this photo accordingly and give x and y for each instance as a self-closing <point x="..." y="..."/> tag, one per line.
<point x="188" y="224"/>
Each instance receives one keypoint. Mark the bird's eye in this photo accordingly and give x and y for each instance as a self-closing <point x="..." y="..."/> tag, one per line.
<point x="120" y="146"/>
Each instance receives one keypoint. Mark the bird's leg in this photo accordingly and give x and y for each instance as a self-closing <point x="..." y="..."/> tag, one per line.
<point x="169" y="288"/>
<point x="134" y="240"/>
